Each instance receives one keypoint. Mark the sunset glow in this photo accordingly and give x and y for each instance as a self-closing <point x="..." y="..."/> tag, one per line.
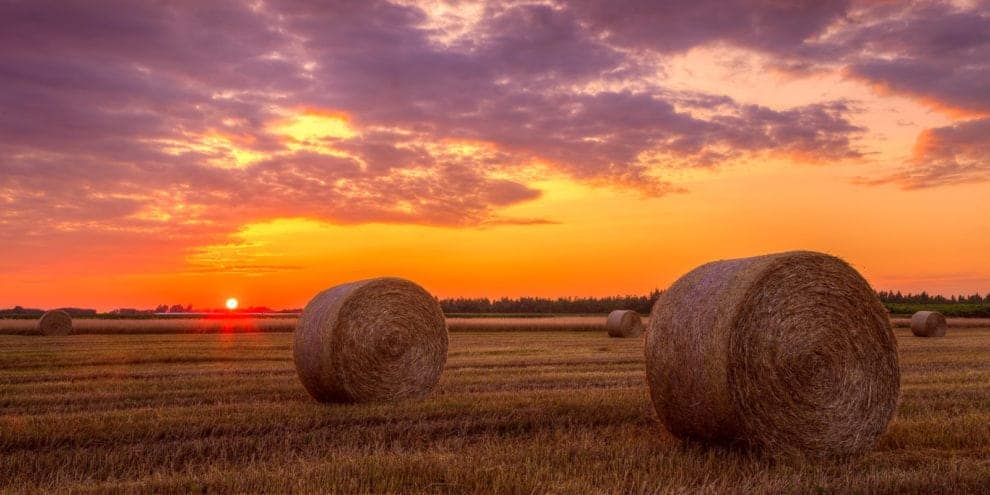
<point x="528" y="149"/>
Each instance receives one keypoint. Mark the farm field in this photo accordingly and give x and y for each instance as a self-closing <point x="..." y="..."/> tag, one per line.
<point x="515" y="412"/>
<point x="111" y="326"/>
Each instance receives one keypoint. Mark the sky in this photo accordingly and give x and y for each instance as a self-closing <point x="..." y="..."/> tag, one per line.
<point x="186" y="152"/>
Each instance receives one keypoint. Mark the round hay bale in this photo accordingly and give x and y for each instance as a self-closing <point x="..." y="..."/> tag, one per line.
<point x="786" y="354"/>
<point x="373" y="340"/>
<point x="928" y="324"/>
<point x="624" y="323"/>
<point x="55" y="322"/>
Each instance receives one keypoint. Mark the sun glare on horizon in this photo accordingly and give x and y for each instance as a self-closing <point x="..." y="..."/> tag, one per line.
<point x="231" y="303"/>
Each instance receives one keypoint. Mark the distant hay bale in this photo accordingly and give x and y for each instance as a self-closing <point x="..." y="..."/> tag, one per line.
<point x="787" y="354"/>
<point x="55" y="322"/>
<point x="928" y="324"/>
<point x="624" y="323"/>
<point x="372" y="340"/>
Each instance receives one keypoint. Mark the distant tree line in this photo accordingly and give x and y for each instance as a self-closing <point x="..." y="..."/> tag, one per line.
<point x="18" y="311"/>
<point x="175" y="308"/>
<point x="178" y="308"/>
<point x="897" y="302"/>
<point x="925" y="298"/>
<point x="643" y="304"/>
<point x="544" y="305"/>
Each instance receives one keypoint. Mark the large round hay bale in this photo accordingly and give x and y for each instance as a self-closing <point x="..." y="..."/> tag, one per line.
<point x="372" y="340"/>
<point x="55" y="322"/>
<point x="928" y="324"/>
<point x="624" y="323"/>
<point x="788" y="354"/>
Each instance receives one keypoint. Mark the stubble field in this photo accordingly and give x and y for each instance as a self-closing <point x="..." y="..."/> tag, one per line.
<point x="515" y="412"/>
<point x="134" y="326"/>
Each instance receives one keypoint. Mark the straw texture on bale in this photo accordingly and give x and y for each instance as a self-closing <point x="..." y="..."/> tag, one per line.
<point x="928" y="324"/>
<point x="789" y="354"/>
<point x="624" y="323"/>
<point x="373" y="340"/>
<point x="55" y="322"/>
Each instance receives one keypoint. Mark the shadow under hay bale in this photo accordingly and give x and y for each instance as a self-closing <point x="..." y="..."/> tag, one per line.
<point x="791" y="354"/>
<point x="624" y="323"/>
<point x="55" y="322"/>
<point x="372" y="340"/>
<point x="928" y="324"/>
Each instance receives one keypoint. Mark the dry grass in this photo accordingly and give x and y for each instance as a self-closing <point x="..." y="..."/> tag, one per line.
<point x="928" y="324"/>
<point x="55" y="322"/>
<point x="564" y="412"/>
<point x="953" y="322"/>
<point x="372" y="340"/>
<point x="96" y="326"/>
<point x="624" y="323"/>
<point x="789" y="353"/>
<point x="557" y="323"/>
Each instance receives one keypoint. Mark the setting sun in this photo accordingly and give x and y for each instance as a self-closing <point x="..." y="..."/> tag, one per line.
<point x="755" y="230"/>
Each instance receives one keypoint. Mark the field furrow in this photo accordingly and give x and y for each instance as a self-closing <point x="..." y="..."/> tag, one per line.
<point x="514" y="412"/>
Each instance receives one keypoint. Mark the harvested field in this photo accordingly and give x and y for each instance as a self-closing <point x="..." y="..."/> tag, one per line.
<point x="99" y="326"/>
<point x="953" y="322"/>
<point x="554" y="323"/>
<point x="113" y="326"/>
<point x="516" y="412"/>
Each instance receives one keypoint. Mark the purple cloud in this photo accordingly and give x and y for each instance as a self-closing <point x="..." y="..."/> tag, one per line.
<point x="931" y="50"/>
<point x="677" y="26"/>
<point x="956" y="154"/>
<point x="102" y="104"/>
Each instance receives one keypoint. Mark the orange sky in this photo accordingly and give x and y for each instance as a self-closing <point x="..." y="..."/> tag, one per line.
<point x="606" y="242"/>
<point x="565" y="232"/>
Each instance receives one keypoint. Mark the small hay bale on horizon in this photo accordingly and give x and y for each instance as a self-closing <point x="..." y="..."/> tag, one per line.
<point x="380" y="339"/>
<point x="55" y="322"/>
<point x="789" y="354"/>
<point x="624" y="323"/>
<point x="928" y="324"/>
